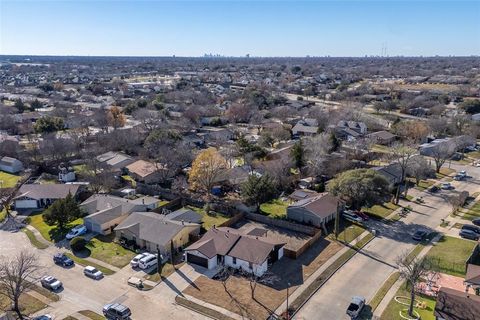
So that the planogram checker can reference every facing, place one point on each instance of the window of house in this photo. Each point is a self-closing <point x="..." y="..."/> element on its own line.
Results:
<point x="234" y="260"/>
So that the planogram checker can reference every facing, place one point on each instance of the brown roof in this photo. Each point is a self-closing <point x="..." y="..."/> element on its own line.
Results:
<point x="47" y="191"/>
<point x="215" y="241"/>
<point x="322" y="205"/>
<point x="457" y="305"/>
<point x="251" y="249"/>
<point x="473" y="274"/>
<point x="143" y="168"/>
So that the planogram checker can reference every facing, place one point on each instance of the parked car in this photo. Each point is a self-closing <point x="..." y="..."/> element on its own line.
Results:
<point x="355" y="307"/>
<point x="419" y="235"/>
<point x="136" y="259"/>
<point x="467" y="234"/>
<point x="446" y="186"/>
<point x="362" y="215"/>
<point x="92" y="272"/>
<point x="459" y="177"/>
<point x="476" y="222"/>
<point x="43" y="317"/>
<point x="463" y="173"/>
<point x="116" y="311"/>
<point x="472" y="228"/>
<point x="63" y="260"/>
<point x="76" y="231"/>
<point x="433" y="189"/>
<point x="470" y="149"/>
<point x="349" y="215"/>
<point x="51" y="283"/>
<point x="148" y="261"/>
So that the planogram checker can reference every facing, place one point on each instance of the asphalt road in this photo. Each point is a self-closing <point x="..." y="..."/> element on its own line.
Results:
<point x="365" y="273"/>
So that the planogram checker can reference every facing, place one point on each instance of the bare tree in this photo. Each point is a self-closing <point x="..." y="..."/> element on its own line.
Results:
<point x="412" y="270"/>
<point x="440" y="154"/>
<point x="317" y="149"/>
<point x="16" y="275"/>
<point x="402" y="154"/>
<point x="419" y="168"/>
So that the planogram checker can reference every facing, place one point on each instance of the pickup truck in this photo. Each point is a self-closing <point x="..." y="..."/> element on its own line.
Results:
<point x="355" y="307"/>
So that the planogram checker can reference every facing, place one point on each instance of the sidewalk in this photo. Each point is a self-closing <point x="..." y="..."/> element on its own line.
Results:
<point x="393" y="290"/>
<point x="214" y="307"/>
<point x="38" y="235"/>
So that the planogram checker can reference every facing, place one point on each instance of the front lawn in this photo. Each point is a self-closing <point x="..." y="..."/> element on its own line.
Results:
<point x="276" y="209"/>
<point x="33" y="240"/>
<point x="444" y="172"/>
<point x="209" y="220"/>
<point x="381" y="211"/>
<point x="28" y="304"/>
<point x="51" y="233"/>
<point x="472" y="213"/>
<point x="92" y="315"/>
<point x="85" y="262"/>
<point x="105" y="249"/>
<point x="424" y="185"/>
<point x="450" y="255"/>
<point x="393" y="308"/>
<point x="8" y="180"/>
<point x="3" y="214"/>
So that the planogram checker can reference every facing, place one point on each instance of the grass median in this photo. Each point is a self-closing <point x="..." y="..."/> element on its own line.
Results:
<point x="85" y="262"/>
<point x="33" y="240"/>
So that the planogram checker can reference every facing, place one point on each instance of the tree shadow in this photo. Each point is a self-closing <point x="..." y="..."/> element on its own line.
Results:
<point x="85" y="253"/>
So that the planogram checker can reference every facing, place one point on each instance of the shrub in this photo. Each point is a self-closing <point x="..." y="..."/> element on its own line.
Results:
<point x="78" y="243"/>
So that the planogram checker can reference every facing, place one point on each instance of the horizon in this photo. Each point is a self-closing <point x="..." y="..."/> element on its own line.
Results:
<point x="236" y="28"/>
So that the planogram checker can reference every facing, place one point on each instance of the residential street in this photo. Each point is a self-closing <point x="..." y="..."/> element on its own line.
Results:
<point x="366" y="271"/>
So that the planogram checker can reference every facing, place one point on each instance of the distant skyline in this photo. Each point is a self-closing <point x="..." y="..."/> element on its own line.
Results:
<point x="237" y="28"/>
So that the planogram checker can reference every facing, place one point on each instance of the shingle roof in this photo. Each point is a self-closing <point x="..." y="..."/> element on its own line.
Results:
<point x="457" y="305"/>
<point x="473" y="274"/>
<point x="186" y="215"/>
<point x="143" y="168"/>
<point x="215" y="241"/>
<point x="47" y="191"/>
<point x="322" y="205"/>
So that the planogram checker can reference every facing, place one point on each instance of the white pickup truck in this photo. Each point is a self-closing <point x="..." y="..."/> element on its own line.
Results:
<point x="355" y="307"/>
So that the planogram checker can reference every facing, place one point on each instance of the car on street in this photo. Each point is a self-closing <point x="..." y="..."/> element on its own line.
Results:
<point x="76" y="231"/>
<point x="467" y="234"/>
<point x="419" y="235"/>
<point x="433" y="189"/>
<point x="63" y="260"/>
<point x="472" y="228"/>
<point x="148" y="261"/>
<point x="92" y="272"/>
<point x="355" y="307"/>
<point x="116" y="311"/>
<point x="136" y="259"/>
<point x="446" y="186"/>
<point x="470" y="149"/>
<point x="43" y="317"/>
<point x="362" y="215"/>
<point x="51" y="283"/>
<point x="476" y="222"/>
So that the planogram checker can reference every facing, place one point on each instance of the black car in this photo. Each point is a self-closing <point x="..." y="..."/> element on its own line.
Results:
<point x="116" y="311"/>
<point x="476" y="222"/>
<point x="433" y="189"/>
<point x="63" y="260"/>
<point x="468" y="234"/>
<point x="471" y="227"/>
<point x="419" y="235"/>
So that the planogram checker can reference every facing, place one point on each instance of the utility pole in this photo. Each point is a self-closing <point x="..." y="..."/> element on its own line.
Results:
<point x="288" y="312"/>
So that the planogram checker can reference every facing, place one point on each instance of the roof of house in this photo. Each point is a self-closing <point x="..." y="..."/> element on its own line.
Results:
<point x="47" y="191"/>
<point x="322" y="205"/>
<point x="152" y="227"/>
<point x="117" y="160"/>
<point x="185" y="214"/>
<point x="393" y="170"/>
<point x="7" y="161"/>
<point x="143" y="168"/>
<point x="243" y="249"/>
<point x="215" y="241"/>
<point x="457" y="305"/>
<point x="384" y="135"/>
<point x="302" y="128"/>
<point x="300" y="194"/>
<point x="473" y="274"/>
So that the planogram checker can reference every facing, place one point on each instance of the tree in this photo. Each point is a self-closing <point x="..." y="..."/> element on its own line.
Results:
<point x="78" y="244"/>
<point x="116" y="118"/>
<point x="35" y="104"/>
<point x="17" y="276"/>
<point x="440" y="154"/>
<point x="419" y="169"/>
<point x="335" y="143"/>
<point x="413" y="270"/>
<point x="19" y="105"/>
<point x="207" y="167"/>
<point x="62" y="211"/>
<point x="48" y="124"/>
<point x="298" y="154"/>
<point x="318" y="147"/>
<point x="257" y="190"/>
<point x="471" y="106"/>
<point x="402" y="154"/>
<point x="359" y="187"/>
<point x="416" y="131"/>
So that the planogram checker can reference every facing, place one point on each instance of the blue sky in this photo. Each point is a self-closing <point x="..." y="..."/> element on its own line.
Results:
<point x="235" y="28"/>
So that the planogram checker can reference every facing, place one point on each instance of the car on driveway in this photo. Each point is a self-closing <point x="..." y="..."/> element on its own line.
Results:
<point x="63" y="260"/>
<point x="349" y="215"/>
<point x="92" y="272"/>
<point x="476" y="222"/>
<point x="148" y="261"/>
<point x="446" y="186"/>
<point x="355" y="307"/>
<point x="362" y="215"/>
<point x="51" y="283"/>
<point x="467" y="234"/>
<point x="76" y="231"/>
<point x="116" y="311"/>
<point x="472" y="228"/>
<point x="419" y="235"/>
<point x="134" y="262"/>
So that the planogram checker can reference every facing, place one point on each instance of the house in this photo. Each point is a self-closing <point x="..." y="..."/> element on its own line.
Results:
<point x="392" y="173"/>
<point x="226" y="246"/>
<point x="186" y="215"/>
<point x="10" y="165"/>
<point x="446" y="145"/>
<point x="382" y="137"/>
<point x="215" y="134"/>
<point x="105" y="212"/>
<point x="145" y="171"/>
<point x="115" y="160"/>
<point x="472" y="278"/>
<point x="235" y="176"/>
<point x="317" y="210"/>
<point x="301" y="194"/>
<point x="350" y="130"/>
<point x="456" y="305"/>
<point x="303" y="130"/>
<point x="155" y="232"/>
<point x="66" y="174"/>
<point x="39" y="196"/>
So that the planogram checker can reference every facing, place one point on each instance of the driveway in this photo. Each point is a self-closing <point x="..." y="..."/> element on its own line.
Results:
<point x="365" y="272"/>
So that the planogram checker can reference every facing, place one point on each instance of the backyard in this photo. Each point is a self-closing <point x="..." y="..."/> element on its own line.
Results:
<point x="276" y="209"/>
<point x="209" y="220"/>
<point x="8" y="180"/>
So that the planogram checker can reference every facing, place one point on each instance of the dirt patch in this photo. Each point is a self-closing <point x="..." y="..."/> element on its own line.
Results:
<point x="267" y="298"/>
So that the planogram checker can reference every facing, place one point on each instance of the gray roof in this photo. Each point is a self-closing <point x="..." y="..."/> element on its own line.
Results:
<point x="47" y="191"/>
<point x="186" y="215"/>
<point x="7" y="161"/>
<point x="116" y="160"/>
<point x="152" y="227"/>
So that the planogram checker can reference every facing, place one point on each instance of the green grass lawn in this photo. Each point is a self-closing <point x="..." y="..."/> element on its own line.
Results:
<point x="209" y="220"/>
<point x="92" y="315"/>
<point x="444" y="171"/>
<point x="381" y="148"/>
<point x="424" y="185"/>
<point x="105" y="249"/>
<point x="167" y="270"/>
<point x="33" y="240"/>
<point x="28" y="304"/>
<point x="381" y="211"/>
<point x="85" y="262"/>
<point x="276" y="209"/>
<point x="51" y="233"/>
<point x="472" y="213"/>
<point x="8" y="180"/>
<point x="450" y="255"/>
<point x="131" y="180"/>
<point x="393" y="308"/>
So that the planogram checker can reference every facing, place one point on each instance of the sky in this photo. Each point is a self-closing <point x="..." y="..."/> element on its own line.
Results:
<point x="236" y="28"/>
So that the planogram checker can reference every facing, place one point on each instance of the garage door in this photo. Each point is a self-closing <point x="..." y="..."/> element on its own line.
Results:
<point x="197" y="260"/>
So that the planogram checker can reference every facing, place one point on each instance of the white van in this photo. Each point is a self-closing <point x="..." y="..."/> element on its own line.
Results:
<point x="148" y="261"/>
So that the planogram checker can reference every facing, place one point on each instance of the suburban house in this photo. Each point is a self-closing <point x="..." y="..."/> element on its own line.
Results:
<point x="382" y="137"/>
<point x="392" y="173"/>
<point x="185" y="214"/>
<point x="105" y="212"/>
<point x="66" y="174"/>
<point x="317" y="210"/>
<point x="234" y="176"/>
<point x="472" y="278"/>
<point x="145" y="171"/>
<point x="446" y="145"/>
<point x="350" y="130"/>
<point x="301" y="194"/>
<point x="251" y="253"/>
<point x="215" y="134"/>
<point x="455" y="305"/>
<point x="10" y="165"/>
<point x="153" y="231"/>
<point x="115" y="160"/>
<point x="39" y="196"/>
<point x="305" y="127"/>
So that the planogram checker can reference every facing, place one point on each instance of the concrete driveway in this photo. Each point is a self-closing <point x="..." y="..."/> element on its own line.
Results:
<point x="365" y="273"/>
